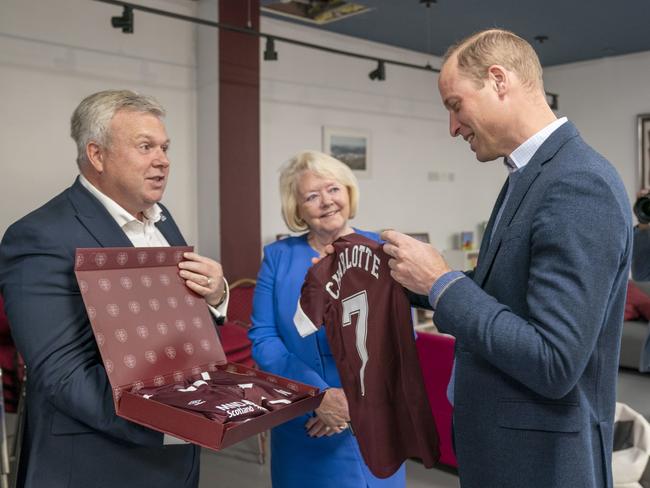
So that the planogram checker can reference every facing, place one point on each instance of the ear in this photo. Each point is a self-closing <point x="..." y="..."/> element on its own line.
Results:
<point x="499" y="79"/>
<point x="95" y="156"/>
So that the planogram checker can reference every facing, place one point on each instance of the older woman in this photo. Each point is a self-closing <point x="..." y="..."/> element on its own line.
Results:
<point x="319" y="194"/>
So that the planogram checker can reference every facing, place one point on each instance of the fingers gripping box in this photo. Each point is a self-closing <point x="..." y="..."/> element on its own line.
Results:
<point x="152" y="331"/>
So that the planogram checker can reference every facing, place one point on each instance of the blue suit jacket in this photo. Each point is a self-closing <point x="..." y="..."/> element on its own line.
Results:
<point x="73" y="437"/>
<point x="538" y="326"/>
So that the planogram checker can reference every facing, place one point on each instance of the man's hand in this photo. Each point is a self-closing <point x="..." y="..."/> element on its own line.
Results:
<point x="415" y="265"/>
<point x="332" y="414"/>
<point x="329" y="249"/>
<point x="203" y="276"/>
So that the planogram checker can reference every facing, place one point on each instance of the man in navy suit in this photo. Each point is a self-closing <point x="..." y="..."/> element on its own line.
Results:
<point x="73" y="437"/>
<point x="538" y="322"/>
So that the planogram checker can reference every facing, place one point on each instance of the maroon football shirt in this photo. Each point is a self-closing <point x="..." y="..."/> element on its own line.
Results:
<point x="223" y="403"/>
<point x="368" y="321"/>
<point x="224" y="396"/>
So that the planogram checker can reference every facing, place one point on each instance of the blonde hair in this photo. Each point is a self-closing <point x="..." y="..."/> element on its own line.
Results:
<point x="321" y="165"/>
<point x="476" y="53"/>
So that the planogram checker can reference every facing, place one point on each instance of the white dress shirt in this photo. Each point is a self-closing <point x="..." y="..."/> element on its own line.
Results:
<point x="525" y="152"/>
<point x="141" y="234"/>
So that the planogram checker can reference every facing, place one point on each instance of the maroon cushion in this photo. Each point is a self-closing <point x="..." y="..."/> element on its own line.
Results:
<point x="637" y="304"/>
<point x="631" y="313"/>
<point x="4" y="323"/>
<point x="7" y="362"/>
<point x="436" y="353"/>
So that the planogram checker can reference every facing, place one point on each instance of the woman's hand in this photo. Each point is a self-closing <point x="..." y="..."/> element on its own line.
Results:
<point x="317" y="428"/>
<point x="203" y="276"/>
<point x="332" y="415"/>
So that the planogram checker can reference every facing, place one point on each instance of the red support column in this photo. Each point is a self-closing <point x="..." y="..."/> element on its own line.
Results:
<point x="239" y="140"/>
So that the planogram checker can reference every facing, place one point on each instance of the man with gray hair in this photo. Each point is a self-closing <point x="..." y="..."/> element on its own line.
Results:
<point x="538" y="322"/>
<point x="73" y="437"/>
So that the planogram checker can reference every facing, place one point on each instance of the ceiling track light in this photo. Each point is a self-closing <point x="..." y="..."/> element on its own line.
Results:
<point x="379" y="73"/>
<point x="270" y="54"/>
<point x="125" y="22"/>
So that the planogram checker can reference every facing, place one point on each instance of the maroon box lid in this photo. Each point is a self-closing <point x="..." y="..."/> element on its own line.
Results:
<point x="150" y="328"/>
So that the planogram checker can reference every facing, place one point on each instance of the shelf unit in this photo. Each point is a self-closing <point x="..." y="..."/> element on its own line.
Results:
<point x="460" y="259"/>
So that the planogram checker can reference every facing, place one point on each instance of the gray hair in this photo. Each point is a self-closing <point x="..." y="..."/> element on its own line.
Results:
<point x="91" y="120"/>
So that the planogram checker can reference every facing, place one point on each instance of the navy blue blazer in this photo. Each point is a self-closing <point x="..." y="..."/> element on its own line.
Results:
<point x="538" y="326"/>
<point x="73" y="437"/>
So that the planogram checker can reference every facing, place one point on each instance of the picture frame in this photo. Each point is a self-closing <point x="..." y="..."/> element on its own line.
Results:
<point x="350" y="146"/>
<point x="420" y="236"/>
<point x="643" y="143"/>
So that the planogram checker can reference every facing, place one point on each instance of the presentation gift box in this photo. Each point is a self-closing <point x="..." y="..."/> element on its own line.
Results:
<point x="153" y="331"/>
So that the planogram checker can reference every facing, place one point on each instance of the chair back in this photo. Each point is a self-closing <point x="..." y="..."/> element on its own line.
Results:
<point x="436" y="354"/>
<point x="233" y="334"/>
<point x="240" y="304"/>
<point x="630" y="459"/>
<point x="11" y="376"/>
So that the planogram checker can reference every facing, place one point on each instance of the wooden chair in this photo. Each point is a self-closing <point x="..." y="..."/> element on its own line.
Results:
<point x="234" y="332"/>
<point x="233" y="335"/>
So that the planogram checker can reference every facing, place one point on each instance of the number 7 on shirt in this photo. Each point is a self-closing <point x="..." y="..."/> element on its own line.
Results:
<point x="358" y="304"/>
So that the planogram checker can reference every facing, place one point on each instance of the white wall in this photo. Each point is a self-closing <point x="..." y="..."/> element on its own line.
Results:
<point x="208" y="242"/>
<point x="306" y="89"/>
<point x="55" y="52"/>
<point x="603" y="98"/>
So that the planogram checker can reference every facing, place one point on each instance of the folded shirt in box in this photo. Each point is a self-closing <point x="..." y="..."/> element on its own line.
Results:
<point x="224" y="397"/>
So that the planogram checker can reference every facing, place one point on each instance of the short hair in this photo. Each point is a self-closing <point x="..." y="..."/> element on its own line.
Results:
<point x="476" y="53"/>
<point x="322" y="165"/>
<point x="91" y="120"/>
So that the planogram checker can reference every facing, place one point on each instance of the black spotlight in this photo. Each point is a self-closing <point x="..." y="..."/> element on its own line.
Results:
<point x="379" y="73"/>
<point x="270" y="54"/>
<point x="125" y="22"/>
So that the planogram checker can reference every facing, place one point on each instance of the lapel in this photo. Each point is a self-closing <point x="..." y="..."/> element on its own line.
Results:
<point x="101" y="225"/>
<point x="531" y="171"/>
<point x="168" y="228"/>
<point x="96" y="219"/>
<point x="489" y="228"/>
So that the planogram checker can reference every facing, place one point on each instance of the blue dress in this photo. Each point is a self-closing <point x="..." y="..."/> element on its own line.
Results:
<point x="298" y="460"/>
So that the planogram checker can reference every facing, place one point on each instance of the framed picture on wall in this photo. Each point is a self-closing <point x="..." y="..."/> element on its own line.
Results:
<point x="643" y="138"/>
<point x="351" y="146"/>
<point x="420" y="236"/>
